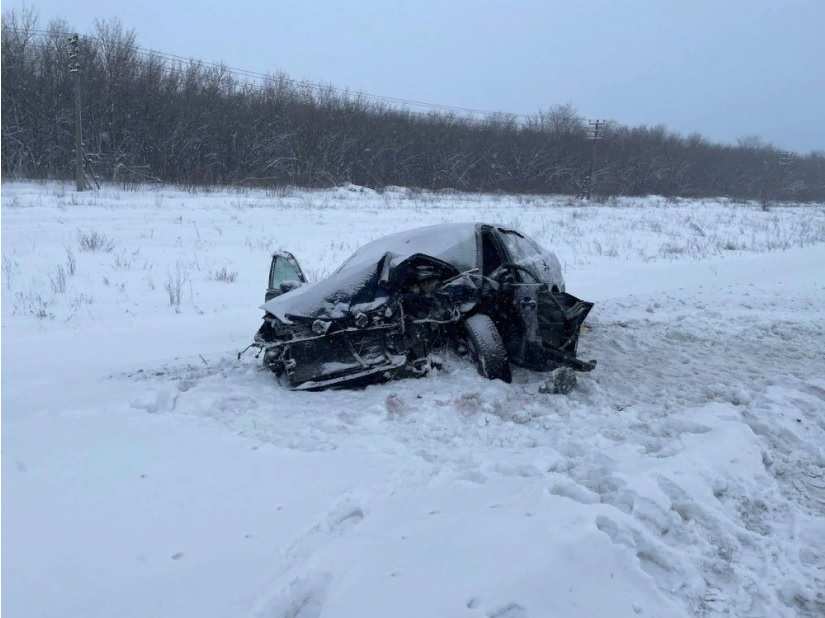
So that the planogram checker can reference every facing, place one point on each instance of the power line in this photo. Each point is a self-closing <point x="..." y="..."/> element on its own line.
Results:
<point x="248" y="74"/>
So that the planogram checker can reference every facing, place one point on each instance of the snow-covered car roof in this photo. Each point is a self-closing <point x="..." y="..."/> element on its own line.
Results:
<point x="454" y="243"/>
<point x="356" y="280"/>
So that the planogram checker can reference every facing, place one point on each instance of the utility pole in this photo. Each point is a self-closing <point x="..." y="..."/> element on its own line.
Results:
<point x="594" y="134"/>
<point x="74" y="68"/>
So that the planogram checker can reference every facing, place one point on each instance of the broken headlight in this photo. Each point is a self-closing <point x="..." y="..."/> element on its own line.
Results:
<point x="320" y="327"/>
<point x="361" y="320"/>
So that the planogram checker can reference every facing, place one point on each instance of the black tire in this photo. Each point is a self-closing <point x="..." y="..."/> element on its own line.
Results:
<point x="486" y="348"/>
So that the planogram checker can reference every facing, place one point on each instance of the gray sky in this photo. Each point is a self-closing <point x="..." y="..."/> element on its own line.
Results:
<point x="723" y="68"/>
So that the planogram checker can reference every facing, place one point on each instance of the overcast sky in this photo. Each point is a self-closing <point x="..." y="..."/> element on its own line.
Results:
<point x="723" y="68"/>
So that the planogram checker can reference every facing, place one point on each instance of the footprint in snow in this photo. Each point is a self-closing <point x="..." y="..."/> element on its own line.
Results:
<point x="344" y="517"/>
<point x="338" y="521"/>
<point x="613" y="532"/>
<point x="304" y="597"/>
<point x="511" y="610"/>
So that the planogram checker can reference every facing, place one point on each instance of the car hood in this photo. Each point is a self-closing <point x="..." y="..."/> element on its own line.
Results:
<point x="363" y="286"/>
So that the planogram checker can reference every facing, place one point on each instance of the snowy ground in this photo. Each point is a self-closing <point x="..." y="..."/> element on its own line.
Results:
<point x="147" y="472"/>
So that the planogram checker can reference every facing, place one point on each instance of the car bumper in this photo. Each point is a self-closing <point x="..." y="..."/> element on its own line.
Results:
<point x="339" y="359"/>
<point x="354" y="376"/>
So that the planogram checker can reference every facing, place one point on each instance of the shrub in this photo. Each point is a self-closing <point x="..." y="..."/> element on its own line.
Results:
<point x="71" y="263"/>
<point x="95" y="241"/>
<point x="225" y="275"/>
<point x="8" y="268"/>
<point x="58" y="281"/>
<point x="174" y="286"/>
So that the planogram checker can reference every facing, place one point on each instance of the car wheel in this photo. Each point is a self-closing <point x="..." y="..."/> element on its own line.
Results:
<point x="486" y="348"/>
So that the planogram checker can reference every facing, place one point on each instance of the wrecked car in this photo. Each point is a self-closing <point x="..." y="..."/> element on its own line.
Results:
<point x="392" y="308"/>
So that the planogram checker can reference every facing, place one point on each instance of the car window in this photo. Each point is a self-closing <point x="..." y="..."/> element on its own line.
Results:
<point x="283" y="270"/>
<point x="529" y="254"/>
<point x="521" y="251"/>
<point x="548" y="266"/>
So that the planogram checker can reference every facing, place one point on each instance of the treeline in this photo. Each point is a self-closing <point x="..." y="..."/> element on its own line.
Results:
<point x="148" y="118"/>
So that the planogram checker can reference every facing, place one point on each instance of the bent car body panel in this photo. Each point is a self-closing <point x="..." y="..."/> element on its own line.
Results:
<point x="330" y="297"/>
<point x="397" y="299"/>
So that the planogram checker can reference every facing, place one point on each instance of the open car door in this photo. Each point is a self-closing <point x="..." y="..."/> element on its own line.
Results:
<point x="550" y="322"/>
<point x="548" y="319"/>
<point x="285" y="274"/>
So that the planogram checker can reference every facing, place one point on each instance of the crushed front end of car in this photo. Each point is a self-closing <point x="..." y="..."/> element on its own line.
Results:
<point x="371" y="322"/>
<point x="317" y="354"/>
<point x="400" y="301"/>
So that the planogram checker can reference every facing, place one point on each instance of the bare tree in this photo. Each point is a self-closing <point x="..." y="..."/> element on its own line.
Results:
<point x="147" y="118"/>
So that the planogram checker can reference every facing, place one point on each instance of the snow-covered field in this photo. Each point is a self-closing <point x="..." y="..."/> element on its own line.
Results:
<point x="147" y="472"/>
